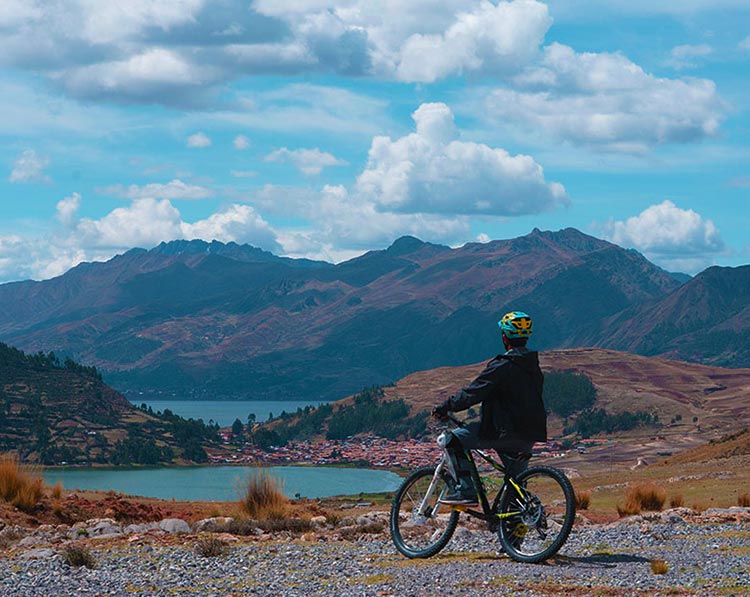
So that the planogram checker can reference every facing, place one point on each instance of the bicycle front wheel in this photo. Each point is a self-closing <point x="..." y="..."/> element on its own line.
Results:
<point x="535" y="522"/>
<point x="420" y="525"/>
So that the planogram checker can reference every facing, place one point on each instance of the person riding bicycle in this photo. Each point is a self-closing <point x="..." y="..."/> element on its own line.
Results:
<point x="513" y="415"/>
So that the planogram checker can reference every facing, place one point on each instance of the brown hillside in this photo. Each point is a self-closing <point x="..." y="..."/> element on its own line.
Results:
<point x="719" y="397"/>
<point x="736" y="444"/>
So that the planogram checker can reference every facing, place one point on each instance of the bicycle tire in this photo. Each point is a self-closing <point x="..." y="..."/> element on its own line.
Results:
<point x="415" y="535"/>
<point x="546" y="516"/>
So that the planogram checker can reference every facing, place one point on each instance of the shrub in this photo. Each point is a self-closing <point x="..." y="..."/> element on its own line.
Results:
<point x="583" y="499"/>
<point x="263" y="497"/>
<point x="628" y="509"/>
<point x="647" y="496"/>
<point x="676" y="501"/>
<point x="76" y="554"/>
<point x="211" y="547"/>
<point x="743" y="500"/>
<point x="21" y="486"/>
<point x="56" y="491"/>
<point x="659" y="566"/>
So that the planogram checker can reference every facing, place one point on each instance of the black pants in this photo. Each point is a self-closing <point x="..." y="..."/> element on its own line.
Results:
<point x="506" y="448"/>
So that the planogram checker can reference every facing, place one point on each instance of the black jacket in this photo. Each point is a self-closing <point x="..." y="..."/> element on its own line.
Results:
<point x="510" y="390"/>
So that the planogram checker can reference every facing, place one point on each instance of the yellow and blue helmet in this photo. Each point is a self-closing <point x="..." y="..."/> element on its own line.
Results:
<point x="515" y="324"/>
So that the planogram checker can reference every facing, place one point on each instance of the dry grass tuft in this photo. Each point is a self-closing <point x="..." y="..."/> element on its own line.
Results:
<point x="21" y="486"/>
<point x="76" y="554"/>
<point x="56" y="491"/>
<point x="211" y="547"/>
<point x="676" y="501"/>
<point x="699" y="507"/>
<point x="659" y="566"/>
<point x="583" y="499"/>
<point x="263" y="497"/>
<point x="743" y="500"/>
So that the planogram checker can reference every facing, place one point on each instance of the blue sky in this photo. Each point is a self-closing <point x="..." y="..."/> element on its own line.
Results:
<point x="323" y="128"/>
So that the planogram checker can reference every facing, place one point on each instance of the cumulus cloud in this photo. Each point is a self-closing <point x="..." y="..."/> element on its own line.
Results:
<point x="492" y="38"/>
<point x="350" y="221"/>
<point x="238" y="223"/>
<point x="241" y="142"/>
<point x="432" y="171"/>
<point x="143" y="223"/>
<point x="67" y="209"/>
<point x="182" y="51"/>
<point x="744" y="44"/>
<point x="198" y="140"/>
<point x="688" y="56"/>
<point x="175" y="189"/>
<point x="29" y="167"/>
<point x="670" y="236"/>
<point x="307" y="161"/>
<point x="607" y="101"/>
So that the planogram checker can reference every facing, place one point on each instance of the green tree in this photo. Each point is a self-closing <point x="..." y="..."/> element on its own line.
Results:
<point x="567" y="393"/>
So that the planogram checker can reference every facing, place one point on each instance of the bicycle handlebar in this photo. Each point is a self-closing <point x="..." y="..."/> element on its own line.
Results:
<point x="454" y="420"/>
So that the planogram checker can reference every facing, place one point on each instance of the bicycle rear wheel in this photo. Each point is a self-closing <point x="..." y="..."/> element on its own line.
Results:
<point x="535" y="525"/>
<point x="420" y="525"/>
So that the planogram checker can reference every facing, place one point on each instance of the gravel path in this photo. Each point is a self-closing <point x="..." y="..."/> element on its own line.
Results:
<point x="709" y="559"/>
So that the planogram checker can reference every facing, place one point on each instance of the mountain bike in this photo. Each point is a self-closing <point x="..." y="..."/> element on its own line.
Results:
<point x="532" y="512"/>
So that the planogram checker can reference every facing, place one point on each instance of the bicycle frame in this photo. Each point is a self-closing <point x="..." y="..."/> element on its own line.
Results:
<point x="487" y="509"/>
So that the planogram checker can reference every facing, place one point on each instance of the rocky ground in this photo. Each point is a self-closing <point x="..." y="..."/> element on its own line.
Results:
<point x="705" y="554"/>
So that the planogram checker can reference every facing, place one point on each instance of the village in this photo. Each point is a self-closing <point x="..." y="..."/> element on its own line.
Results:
<point x="365" y="450"/>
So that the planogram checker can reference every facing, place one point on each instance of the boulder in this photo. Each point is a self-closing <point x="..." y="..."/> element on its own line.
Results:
<point x="99" y="527"/>
<point x="318" y="522"/>
<point x="174" y="526"/>
<point x="137" y="529"/>
<point x="217" y="524"/>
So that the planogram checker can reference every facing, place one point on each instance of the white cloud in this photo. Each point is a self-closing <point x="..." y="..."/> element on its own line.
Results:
<point x="67" y="209"/>
<point x="107" y="22"/>
<point x="605" y="100"/>
<point x="352" y="222"/>
<point x="241" y="142"/>
<point x="483" y="238"/>
<point x="307" y="161"/>
<point x="154" y="75"/>
<point x="143" y="223"/>
<point x="494" y="38"/>
<point x="431" y="171"/>
<point x="198" y="140"/>
<point x="687" y="56"/>
<point x="175" y="189"/>
<point x="238" y="223"/>
<point x="672" y="237"/>
<point x="29" y="167"/>
<point x="744" y="44"/>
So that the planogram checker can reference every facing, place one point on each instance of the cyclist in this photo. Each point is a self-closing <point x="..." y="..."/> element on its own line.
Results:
<point x="513" y="416"/>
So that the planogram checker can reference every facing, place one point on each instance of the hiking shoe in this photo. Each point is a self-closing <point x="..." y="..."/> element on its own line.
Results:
<point x="458" y="498"/>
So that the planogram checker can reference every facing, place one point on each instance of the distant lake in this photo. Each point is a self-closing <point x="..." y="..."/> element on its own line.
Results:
<point x="221" y="483"/>
<point x="224" y="412"/>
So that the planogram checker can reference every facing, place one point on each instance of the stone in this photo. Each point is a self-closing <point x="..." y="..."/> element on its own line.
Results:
<point x="213" y="525"/>
<point x="671" y="517"/>
<point x="174" y="526"/>
<point x="103" y="526"/>
<point x="318" y="522"/>
<point x="142" y="528"/>
<point x="41" y="553"/>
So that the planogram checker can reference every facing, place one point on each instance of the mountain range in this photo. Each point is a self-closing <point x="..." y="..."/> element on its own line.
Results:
<point x="214" y="320"/>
